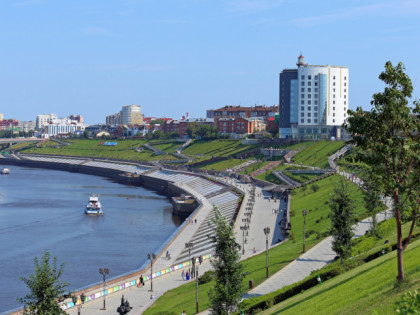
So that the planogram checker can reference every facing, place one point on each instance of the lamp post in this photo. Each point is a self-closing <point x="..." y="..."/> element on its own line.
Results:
<point x="200" y="260"/>
<point x="151" y="257"/>
<point x="189" y="245"/>
<point x="104" y="272"/>
<point x="304" y="213"/>
<point x="266" y="232"/>
<point x="243" y="228"/>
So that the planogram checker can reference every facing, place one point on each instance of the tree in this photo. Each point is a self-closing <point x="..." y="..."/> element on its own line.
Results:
<point x="342" y="219"/>
<point x="192" y="129"/>
<point x="372" y="198"/>
<point x="227" y="292"/>
<point x="46" y="289"/>
<point x="389" y="138"/>
<point x="85" y="134"/>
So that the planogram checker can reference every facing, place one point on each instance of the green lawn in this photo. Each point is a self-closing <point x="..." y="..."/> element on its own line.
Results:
<point x="255" y="167"/>
<point x="174" y="301"/>
<point x="301" y="178"/>
<point x="92" y="148"/>
<point x="316" y="153"/>
<point x="368" y="289"/>
<point x="169" y="147"/>
<point x="269" y="177"/>
<point x="213" y="148"/>
<point x="222" y="165"/>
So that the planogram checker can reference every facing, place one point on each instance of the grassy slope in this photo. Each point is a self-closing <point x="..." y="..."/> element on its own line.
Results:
<point x="174" y="301"/>
<point x="91" y="148"/>
<point x="217" y="148"/>
<point x="317" y="153"/>
<point x="362" y="290"/>
<point x="221" y="165"/>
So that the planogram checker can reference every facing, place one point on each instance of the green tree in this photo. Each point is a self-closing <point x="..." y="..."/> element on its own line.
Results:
<point x="342" y="219"/>
<point x="389" y="138"/>
<point x="46" y="289"/>
<point x="85" y="134"/>
<point x="226" y="293"/>
<point x="372" y="198"/>
<point x="192" y="129"/>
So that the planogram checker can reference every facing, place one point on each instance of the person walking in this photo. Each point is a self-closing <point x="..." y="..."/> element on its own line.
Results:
<point x="183" y="275"/>
<point x="142" y="280"/>
<point x="187" y="276"/>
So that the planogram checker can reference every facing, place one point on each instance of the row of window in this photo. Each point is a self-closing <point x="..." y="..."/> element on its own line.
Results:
<point x="309" y="121"/>
<point x="302" y="77"/>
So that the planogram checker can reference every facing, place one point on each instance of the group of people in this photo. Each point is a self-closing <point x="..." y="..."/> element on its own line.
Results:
<point x="193" y="221"/>
<point x="141" y="282"/>
<point x="275" y="211"/>
<point x="185" y="275"/>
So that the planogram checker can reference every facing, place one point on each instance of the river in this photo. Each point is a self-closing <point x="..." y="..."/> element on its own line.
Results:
<point x="42" y="210"/>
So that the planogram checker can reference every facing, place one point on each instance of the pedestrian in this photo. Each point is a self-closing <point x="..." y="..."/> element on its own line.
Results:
<point x="142" y="280"/>
<point x="151" y="296"/>
<point x="195" y="221"/>
<point x="254" y="251"/>
<point x="187" y="276"/>
<point x="183" y="275"/>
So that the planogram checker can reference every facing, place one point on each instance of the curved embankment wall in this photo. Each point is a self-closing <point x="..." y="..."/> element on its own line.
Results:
<point x="124" y="281"/>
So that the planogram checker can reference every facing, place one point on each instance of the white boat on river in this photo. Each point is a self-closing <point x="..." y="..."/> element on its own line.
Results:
<point x="94" y="206"/>
<point x="5" y="171"/>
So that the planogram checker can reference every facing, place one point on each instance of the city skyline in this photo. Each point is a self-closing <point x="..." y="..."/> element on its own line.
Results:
<point x="188" y="56"/>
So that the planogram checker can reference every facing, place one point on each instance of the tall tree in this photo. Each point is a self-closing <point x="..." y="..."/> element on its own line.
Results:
<point x="226" y="293"/>
<point x="46" y="289"/>
<point x="389" y="136"/>
<point x="342" y="220"/>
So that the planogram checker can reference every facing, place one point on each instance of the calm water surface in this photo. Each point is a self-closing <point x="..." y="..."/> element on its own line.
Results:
<point x="42" y="210"/>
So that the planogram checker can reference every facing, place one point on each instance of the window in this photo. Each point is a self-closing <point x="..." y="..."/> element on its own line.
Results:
<point x="345" y="84"/>
<point x="316" y="95"/>
<point x="309" y="108"/>
<point x="315" y="108"/>
<point x="309" y="77"/>
<point x="316" y="83"/>
<point x="333" y="102"/>
<point x="345" y="108"/>
<point x="302" y="77"/>
<point x="333" y="89"/>
<point x="302" y="89"/>
<point x="333" y="114"/>
<point x="309" y="89"/>
<point x="309" y="114"/>
<point x="309" y="83"/>
<point x="302" y="83"/>
<point x="333" y="83"/>
<point x="302" y="95"/>
<point x="309" y="102"/>
<point x="316" y="90"/>
<point x="333" y="108"/>
<point x="345" y="90"/>
<point x="315" y="114"/>
<point x="309" y="121"/>
<point x="316" y="121"/>
<point x="333" y="77"/>
<point x="345" y="96"/>
<point x="345" y="78"/>
<point x="316" y="102"/>
<point x="302" y="102"/>
<point x="333" y="95"/>
<point x="302" y="121"/>
<point x="333" y="120"/>
<point x="302" y="108"/>
<point x="344" y="114"/>
<point x="302" y="114"/>
<point x="345" y="103"/>
<point x="316" y="77"/>
<point x="309" y="95"/>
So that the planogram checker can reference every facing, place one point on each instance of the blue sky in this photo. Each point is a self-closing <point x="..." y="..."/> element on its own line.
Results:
<point x="90" y="57"/>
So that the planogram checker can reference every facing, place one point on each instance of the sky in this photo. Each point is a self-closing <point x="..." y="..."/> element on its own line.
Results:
<point x="90" y="57"/>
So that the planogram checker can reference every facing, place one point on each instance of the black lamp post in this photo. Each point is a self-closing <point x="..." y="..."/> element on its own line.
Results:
<point x="266" y="232"/>
<point x="189" y="245"/>
<point x="151" y="257"/>
<point x="194" y="261"/>
<point x="104" y="272"/>
<point x="304" y="213"/>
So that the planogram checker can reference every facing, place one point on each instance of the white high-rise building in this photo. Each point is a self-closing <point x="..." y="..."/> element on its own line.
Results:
<point x="42" y="120"/>
<point x="322" y="100"/>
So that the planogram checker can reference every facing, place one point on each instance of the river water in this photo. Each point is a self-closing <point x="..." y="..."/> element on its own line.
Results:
<point x="42" y="210"/>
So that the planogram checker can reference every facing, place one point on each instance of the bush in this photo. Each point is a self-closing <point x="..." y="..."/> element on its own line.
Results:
<point x="314" y="187"/>
<point x="206" y="277"/>
<point x="409" y="303"/>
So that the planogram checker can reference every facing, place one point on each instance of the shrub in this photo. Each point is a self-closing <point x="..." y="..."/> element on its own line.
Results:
<point x="206" y="277"/>
<point x="409" y="303"/>
<point x="314" y="187"/>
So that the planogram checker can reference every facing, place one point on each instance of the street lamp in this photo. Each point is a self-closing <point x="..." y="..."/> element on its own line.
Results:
<point x="266" y="232"/>
<point x="200" y="260"/>
<point x="189" y="245"/>
<point x="82" y="300"/>
<point x="151" y="257"/>
<point x="243" y="228"/>
<point x="104" y="272"/>
<point x="304" y="213"/>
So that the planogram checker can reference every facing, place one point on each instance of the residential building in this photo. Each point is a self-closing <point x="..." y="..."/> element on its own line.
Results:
<point x="42" y="120"/>
<point x="170" y="126"/>
<point x="114" y="119"/>
<point x="27" y="126"/>
<point x="313" y="100"/>
<point x="239" y="127"/>
<point x="232" y="111"/>
<point x="184" y="123"/>
<point x="62" y="127"/>
<point x="131" y="114"/>
<point x="8" y="123"/>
